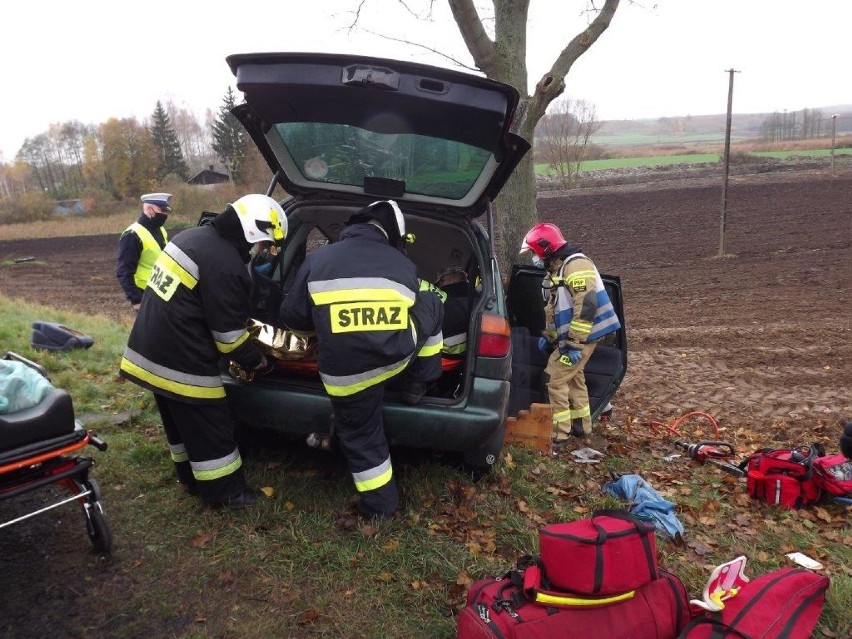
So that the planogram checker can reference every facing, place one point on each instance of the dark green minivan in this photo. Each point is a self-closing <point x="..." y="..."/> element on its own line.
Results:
<point x="341" y="131"/>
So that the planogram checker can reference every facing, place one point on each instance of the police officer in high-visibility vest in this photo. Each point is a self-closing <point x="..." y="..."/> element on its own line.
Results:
<point x="140" y="244"/>
<point x="193" y="316"/>
<point x="362" y="297"/>
<point x="577" y="315"/>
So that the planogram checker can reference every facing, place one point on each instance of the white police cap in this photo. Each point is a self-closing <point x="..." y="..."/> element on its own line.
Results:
<point x="158" y="199"/>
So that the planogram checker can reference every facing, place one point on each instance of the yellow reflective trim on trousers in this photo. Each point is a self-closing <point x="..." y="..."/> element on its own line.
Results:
<point x="458" y="349"/>
<point x="556" y="600"/>
<point x="351" y="389"/>
<point x="180" y="457"/>
<point x="224" y="471"/>
<point x="361" y="295"/>
<point x="585" y="411"/>
<point x="376" y="482"/>
<point x="430" y="349"/>
<point x="581" y="327"/>
<point x="561" y="416"/>
<point x="227" y="348"/>
<point x="187" y="390"/>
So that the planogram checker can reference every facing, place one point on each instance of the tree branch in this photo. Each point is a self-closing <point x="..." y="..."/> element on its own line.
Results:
<point x="423" y="46"/>
<point x="480" y="46"/>
<point x="552" y="84"/>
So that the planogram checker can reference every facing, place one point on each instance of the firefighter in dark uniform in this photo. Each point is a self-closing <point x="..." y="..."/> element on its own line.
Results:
<point x="140" y="244"/>
<point x="457" y="295"/>
<point x="362" y="297"/>
<point x="193" y="314"/>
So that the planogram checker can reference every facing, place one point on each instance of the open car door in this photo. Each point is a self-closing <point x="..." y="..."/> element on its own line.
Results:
<point x="604" y="371"/>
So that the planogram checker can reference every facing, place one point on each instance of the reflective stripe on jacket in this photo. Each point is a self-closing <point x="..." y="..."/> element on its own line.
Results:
<point x="150" y="250"/>
<point x="582" y="310"/>
<point x="195" y="311"/>
<point x="357" y="294"/>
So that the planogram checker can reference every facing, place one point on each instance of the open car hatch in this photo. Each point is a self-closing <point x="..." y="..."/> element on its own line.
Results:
<point x="359" y="126"/>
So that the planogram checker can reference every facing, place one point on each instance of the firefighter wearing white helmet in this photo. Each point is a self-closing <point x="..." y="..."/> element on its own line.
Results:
<point x="578" y="314"/>
<point x="193" y="315"/>
<point x="361" y="296"/>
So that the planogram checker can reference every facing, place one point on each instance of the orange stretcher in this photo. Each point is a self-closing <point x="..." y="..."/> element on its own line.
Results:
<point x="38" y="449"/>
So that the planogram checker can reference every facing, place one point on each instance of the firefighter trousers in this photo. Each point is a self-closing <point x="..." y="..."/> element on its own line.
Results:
<point x="360" y="431"/>
<point x="569" y="396"/>
<point x="202" y="446"/>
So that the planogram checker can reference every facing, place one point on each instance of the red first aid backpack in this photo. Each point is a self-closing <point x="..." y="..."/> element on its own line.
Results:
<point x="833" y="473"/>
<point x="610" y="552"/>
<point x="519" y="606"/>
<point x="783" y="477"/>
<point x="783" y="604"/>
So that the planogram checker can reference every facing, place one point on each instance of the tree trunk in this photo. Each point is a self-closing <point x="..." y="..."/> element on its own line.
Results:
<point x="504" y="59"/>
<point x="515" y="212"/>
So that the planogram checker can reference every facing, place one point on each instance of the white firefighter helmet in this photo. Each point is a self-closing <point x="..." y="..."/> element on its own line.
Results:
<point x="262" y="218"/>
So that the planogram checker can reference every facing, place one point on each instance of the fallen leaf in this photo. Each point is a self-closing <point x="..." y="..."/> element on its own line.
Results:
<point x="308" y="616"/>
<point x="580" y="509"/>
<point x="201" y="539"/>
<point x="226" y="577"/>
<point x="742" y="520"/>
<point x="822" y="513"/>
<point x="464" y="578"/>
<point x="200" y="618"/>
<point x="385" y="576"/>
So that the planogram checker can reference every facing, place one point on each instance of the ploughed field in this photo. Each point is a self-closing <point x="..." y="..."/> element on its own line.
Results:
<point x="760" y="338"/>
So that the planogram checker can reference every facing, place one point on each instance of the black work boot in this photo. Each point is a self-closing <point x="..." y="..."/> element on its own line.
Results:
<point x="243" y="498"/>
<point x="186" y="478"/>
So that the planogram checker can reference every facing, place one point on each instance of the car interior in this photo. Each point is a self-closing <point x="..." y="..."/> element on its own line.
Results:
<point x="437" y="244"/>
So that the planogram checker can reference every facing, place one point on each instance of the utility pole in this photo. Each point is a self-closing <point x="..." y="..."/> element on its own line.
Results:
<point x="727" y="162"/>
<point x="833" y="132"/>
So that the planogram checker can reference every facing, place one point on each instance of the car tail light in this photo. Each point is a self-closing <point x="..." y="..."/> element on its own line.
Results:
<point x="494" y="336"/>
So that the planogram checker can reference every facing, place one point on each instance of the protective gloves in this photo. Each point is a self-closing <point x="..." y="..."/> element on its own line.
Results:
<point x="266" y="366"/>
<point x="544" y="345"/>
<point x="571" y="357"/>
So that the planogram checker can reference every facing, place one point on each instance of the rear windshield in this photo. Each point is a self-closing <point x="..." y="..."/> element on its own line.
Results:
<point x="345" y="154"/>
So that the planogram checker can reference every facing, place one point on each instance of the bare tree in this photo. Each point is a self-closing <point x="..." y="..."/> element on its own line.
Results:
<point x="563" y="136"/>
<point x="503" y="58"/>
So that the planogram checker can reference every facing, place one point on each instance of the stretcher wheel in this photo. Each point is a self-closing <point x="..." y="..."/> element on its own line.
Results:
<point x="98" y="529"/>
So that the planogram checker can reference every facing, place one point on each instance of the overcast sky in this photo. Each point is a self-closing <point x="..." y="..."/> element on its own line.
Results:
<point x="98" y="59"/>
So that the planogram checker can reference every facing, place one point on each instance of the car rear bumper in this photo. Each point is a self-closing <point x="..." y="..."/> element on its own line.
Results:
<point x="431" y="425"/>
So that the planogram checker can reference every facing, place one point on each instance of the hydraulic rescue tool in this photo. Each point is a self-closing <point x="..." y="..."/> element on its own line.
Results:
<point x="713" y="452"/>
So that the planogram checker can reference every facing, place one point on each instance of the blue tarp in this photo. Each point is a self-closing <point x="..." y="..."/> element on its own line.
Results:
<point x="647" y="503"/>
<point x="20" y="386"/>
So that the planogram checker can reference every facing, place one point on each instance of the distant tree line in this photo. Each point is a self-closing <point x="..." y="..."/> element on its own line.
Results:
<point x="124" y="157"/>
<point x="795" y="125"/>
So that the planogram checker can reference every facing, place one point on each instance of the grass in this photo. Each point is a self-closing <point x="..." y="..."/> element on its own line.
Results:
<point x="193" y="572"/>
<point x="689" y="158"/>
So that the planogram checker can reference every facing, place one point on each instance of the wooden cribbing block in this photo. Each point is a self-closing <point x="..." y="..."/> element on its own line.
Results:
<point x="531" y="428"/>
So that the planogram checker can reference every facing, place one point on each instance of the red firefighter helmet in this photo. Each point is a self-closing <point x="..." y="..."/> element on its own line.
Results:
<point x="543" y="239"/>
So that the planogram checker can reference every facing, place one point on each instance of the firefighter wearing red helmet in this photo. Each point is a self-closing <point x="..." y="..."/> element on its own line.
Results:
<point x="578" y="314"/>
